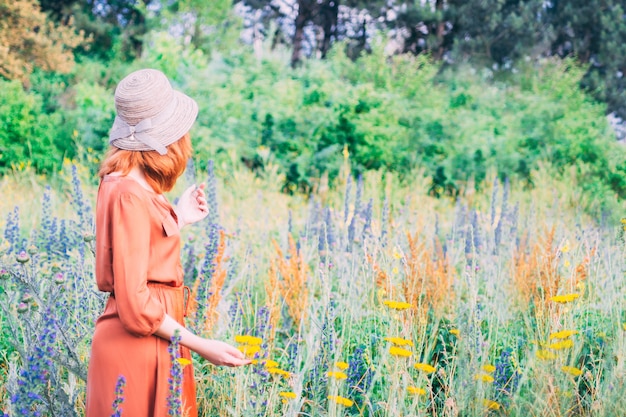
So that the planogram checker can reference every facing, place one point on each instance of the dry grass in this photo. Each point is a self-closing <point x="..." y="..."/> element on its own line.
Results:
<point x="293" y="285"/>
<point x="428" y="277"/>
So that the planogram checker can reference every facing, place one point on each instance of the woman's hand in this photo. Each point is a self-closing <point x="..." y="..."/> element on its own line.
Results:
<point x="220" y="353"/>
<point x="216" y="352"/>
<point x="192" y="206"/>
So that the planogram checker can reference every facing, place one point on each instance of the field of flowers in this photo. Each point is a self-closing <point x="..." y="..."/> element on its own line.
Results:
<point x="372" y="299"/>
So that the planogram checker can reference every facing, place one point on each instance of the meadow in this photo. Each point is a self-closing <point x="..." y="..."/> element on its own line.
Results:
<point x="369" y="298"/>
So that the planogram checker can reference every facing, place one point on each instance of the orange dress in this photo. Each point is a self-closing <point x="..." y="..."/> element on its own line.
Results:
<point x="138" y="263"/>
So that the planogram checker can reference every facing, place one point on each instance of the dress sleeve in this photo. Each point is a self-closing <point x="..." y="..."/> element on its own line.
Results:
<point x="139" y="312"/>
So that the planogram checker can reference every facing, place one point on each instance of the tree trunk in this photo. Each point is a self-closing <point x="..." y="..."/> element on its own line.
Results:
<point x="330" y="13"/>
<point x="440" y="29"/>
<point x="298" y="36"/>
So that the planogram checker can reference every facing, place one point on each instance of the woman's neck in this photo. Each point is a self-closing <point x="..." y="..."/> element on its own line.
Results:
<point x="138" y="175"/>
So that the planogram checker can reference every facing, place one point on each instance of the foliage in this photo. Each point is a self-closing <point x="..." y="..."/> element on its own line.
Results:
<point x="30" y="41"/>
<point x="27" y="135"/>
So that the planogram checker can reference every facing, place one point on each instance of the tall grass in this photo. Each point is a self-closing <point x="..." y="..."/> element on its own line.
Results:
<point x="370" y="299"/>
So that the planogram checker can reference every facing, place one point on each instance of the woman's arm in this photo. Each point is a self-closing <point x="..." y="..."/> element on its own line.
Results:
<point x="215" y="351"/>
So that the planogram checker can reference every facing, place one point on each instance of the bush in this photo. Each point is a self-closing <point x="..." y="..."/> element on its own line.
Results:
<point x="27" y="136"/>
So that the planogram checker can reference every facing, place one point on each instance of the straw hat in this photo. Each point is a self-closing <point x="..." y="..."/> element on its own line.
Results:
<point x="150" y="113"/>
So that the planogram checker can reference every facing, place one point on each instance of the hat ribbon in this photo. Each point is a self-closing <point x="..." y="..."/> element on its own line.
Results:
<point x="122" y="130"/>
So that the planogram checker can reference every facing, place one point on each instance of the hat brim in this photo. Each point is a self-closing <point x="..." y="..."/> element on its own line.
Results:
<point x="178" y="123"/>
<point x="167" y="130"/>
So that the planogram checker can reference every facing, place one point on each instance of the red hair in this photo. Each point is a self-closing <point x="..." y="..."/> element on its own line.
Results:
<point x="161" y="171"/>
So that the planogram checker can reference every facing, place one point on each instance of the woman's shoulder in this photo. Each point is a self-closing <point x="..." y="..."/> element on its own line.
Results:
<point x="118" y="186"/>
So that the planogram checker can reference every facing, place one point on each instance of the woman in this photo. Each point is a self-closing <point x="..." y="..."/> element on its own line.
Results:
<point x="138" y="253"/>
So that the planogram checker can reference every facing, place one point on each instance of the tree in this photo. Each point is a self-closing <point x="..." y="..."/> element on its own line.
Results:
<point x="595" y="33"/>
<point x="499" y="31"/>
<point x="107" y="22"/>
<point x="29" y="40"/>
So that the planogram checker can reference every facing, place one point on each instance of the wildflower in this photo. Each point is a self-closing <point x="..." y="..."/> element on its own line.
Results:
<point x="4" y="274"/>
<point x="249" y="350"/>
<point x="88" y="237"/>
<point x="489" y="368"/>
<point x="565" y="247"/>
<point x="416" y="390"/>
<point x="483" y="378"/>
<point x="5" y="246"/>
<point x="395" y="270"/>
<point x="396" y="351"/>
<point x="119" y="396"/>
<point x="22" y="257"/>
<point x="55" y="267"/>
<point x="572" y="370"/>
<point x="624" y="326"/>
<point x="563" y="344"/>
<point x="27" y="298"/>
<point x="337" y="375"/>
<point x="59" y="278"/>
<point x="565" y="298"/>
<point x="183" y="361"/>
<point x="32" y="250"/>
<point x="491" y="405"/>
<point x="278" y="371"/>
<point x="288" y="394"/>
<point x="455" y="332"/>
<point x="270" y="363"/>
<point x="397" y="254"/>
<point x="248" y="340"/>
<point x="397" y="305"/>
<point x="342" y="365"/>
<point x="175" y="380"/>
<point x="22" y="307"/>
<point x="341" y="400"/>
<point x="563" y="334"/>
<point x="425" y="368"/>
<point x="398" y="341"/>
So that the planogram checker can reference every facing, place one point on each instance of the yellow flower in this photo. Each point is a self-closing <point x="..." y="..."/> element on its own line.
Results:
<point x="398" y="341"/>
<point x="416" y="390"/>
<point x="397" y="254"/>
<point x="395" y="270"/>
<point x="572" y="370"/>
<point x="346" y="152"/>
<point x="565" y="298"/>
<point x="183" y="361"/>
<point x="342" y="365"/>
<point x="396" y="351"/>
<point x="341" y="400"/>
<point x="484" y="378"/>
<point x="424" y="367"/>
<point x="566" y="264"/>
<point x="397" y="305"/>
<point x="336" y="375"/>
<point x="248" y="340"/>
<point x="278" y="371"/>
<point x="491" y="405"/>
<point x="288" y="394"/>
<point x="565" y="247"/>
<point x="563" y="344"/>
<point x="455" y="332"/>
<point x="563" y="334"/>
<point x="270" y="363"/>
<point x="489" y="368"/>
<point x="545" y="354"/>
<point x="624" y="326"/>
<point x="249" y="350"/>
